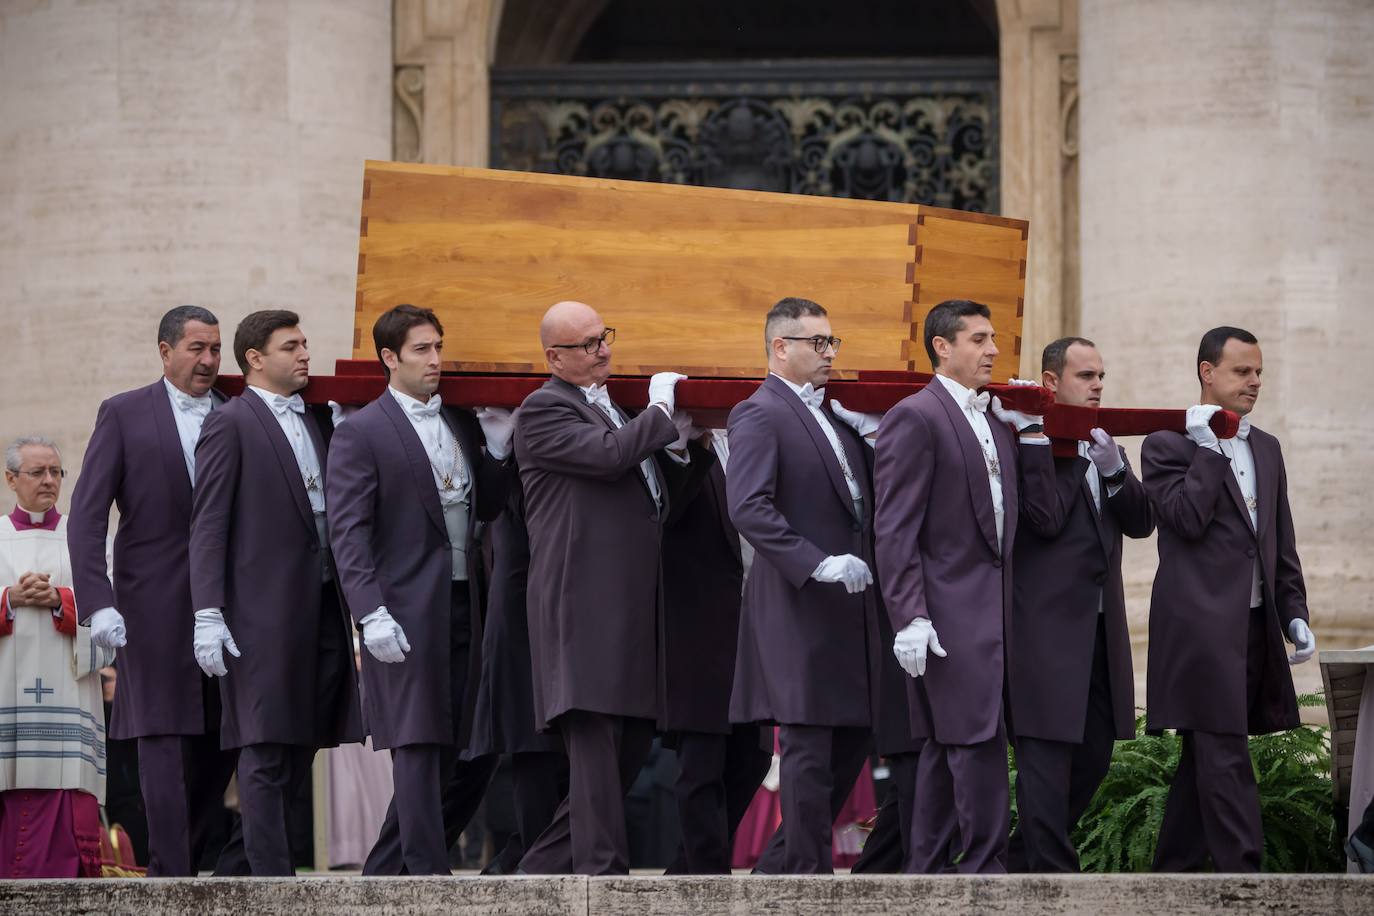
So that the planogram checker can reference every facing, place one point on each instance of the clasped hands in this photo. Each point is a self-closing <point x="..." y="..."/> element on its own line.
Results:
<point x="34" y="590"/>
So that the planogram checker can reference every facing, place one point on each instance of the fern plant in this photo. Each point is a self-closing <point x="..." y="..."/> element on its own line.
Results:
<point x="1292" y="768"/>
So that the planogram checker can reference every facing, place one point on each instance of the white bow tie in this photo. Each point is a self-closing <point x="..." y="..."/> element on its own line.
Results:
<point x="281" y="404"/>
<point x="185" y="402"/>
<point x="1244" y="431"/>
<point x="429" y="409"/>
<point x="598" y="396"/>
<point x="978" y="402"/>
<point x="812" y="397"/>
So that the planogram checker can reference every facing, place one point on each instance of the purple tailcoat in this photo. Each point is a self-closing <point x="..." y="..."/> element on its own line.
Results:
<point x="593" y="598"/>
<point x="503" y="722"/>
<point x="938" y="555"/>
<point x="134" y="460"/>
<point x="702" y="575"/>
<point x="807" y="649"/>
<point x="1200" y="606"/>
<point x="255" y="553"/>
<point x="386" y="528"/>
<point x="1061" y="573"/>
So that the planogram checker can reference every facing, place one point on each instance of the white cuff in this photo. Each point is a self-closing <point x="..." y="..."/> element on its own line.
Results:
<point x="1113" y="489"/>
<point x="375" y="615"/>
<point x="1042" y="440"/>
<point x="682" y="458"/>
<point x="667" y="411"/>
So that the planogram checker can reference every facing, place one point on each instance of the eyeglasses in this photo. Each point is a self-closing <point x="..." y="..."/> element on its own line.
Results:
<point x="40" y="473"/>
<point x="820" y="343"/>
<point x="591" y="345"/>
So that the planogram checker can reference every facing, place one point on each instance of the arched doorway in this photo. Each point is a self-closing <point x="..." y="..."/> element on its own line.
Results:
<point x="881" y="100"/>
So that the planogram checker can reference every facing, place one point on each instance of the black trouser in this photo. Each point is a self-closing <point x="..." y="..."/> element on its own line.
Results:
<point x="962" y="802"/>
<point x="889" y="843"/>
<point x="434" y="792"/>
<point x="270" y="776"/>
<point x="1056" y="780"/>
<point x="1214" y="808"/>
<point x="817" y="772"/>
<point x="587" y="835"/>
<point x="183" y="778"/>
<point x="539" y="781"/>
<point x="718" y="776"/>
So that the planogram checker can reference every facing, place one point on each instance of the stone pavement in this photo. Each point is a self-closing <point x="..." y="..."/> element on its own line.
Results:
<point x="1023" y="895"/>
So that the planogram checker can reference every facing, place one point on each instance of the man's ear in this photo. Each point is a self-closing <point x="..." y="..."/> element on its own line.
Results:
<point x="1204" y="371"/>
<point x="1049" y="380"/>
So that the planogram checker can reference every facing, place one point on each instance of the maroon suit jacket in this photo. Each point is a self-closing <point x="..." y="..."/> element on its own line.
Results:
<point x="702" y="576"/>
<point x="134" y="461"/>
<point x="807" y="649"/>
<point x="255" y="552"/>
<point x="1200" y="606"/>
<point x="938" y="554"/>
<point x="1060" y="574"/>
<point x="593" y="597"/>
<point x="386" y="528"/>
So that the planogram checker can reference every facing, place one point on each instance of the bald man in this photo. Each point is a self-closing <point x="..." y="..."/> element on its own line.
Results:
<point x="594" y="505"/>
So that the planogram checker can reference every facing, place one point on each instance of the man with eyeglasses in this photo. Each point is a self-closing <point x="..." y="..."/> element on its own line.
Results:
<point x="800" y="493"/>
<point x="595" y="504"/>
<point x="52" y="736"/>
<point x="141" y="457"/>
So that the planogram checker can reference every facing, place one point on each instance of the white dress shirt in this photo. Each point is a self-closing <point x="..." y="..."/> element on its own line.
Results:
<point x="974" y="407"/>
<point x="597" y="396"/>
<point x="450" y="470"/>
<point x="813" y="398"/>
<point x="290" y="415"/>
<point x="1243" y="467"/>
<point x="189" y="414"/>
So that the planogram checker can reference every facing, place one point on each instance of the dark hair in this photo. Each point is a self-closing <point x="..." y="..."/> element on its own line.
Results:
<point x="1214" y="341"/>
<point x="1057" y="353"/>
<point x="172" y="327"/>
<point x="791" y="308"/>
<point x="256" y="329"/>
<point x="389" y="333"/>
<point x="947" y="320"/>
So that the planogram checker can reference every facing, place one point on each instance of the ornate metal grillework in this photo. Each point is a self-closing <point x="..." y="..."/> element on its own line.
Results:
<point x="920" y="132"/>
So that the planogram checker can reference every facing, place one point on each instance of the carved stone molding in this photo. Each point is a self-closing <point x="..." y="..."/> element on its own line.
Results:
<point x="408" y="114"/>
<point x="1068" y="106"/>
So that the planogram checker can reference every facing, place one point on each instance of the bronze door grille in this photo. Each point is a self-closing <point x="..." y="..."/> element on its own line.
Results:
<point x="913" y="131"/>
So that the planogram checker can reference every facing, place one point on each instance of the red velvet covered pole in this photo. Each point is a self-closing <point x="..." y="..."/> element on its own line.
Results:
<point x="709" y="400"/>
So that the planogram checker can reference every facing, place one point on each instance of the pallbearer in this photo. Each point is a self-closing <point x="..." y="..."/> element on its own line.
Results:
<point x="1229" y="590"/>
<point x="409" y="483"/>
<point x="800" y="493"/>
<point x="950" y="479"/>
<point x="268" y="621"/>
<point x="594" y="504"/>
<point x="1072" y="691"/>
<point x="141" y="457"/>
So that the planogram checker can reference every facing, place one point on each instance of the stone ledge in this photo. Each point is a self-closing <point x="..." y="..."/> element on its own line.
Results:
<point x="1023" y="895"/>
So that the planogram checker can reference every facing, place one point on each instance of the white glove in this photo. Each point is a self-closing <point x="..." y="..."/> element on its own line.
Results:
<point x="1016" y="418"/>
<point x="384" y="637"/>
<point x="1199" y="416"/>
<point x="845" y="568"/>
<point x="1304" y="641"/>
<point x="661" y="385"/>
<point x="865" y="424"/>
<point x="338" y="413"/>
<point x="682" y="422"/>
<point x="498" y="426"/>
<point x="107" y="629"/>
<point x="211" y="639"/>
<point x="1104" y="454"/>
<point x="912" y="644"/>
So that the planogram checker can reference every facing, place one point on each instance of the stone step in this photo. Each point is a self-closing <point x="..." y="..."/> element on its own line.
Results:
<point x="1022" y="895"/>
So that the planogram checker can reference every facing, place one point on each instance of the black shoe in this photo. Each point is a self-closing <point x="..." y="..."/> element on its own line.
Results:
<point x="1361" y="853"/>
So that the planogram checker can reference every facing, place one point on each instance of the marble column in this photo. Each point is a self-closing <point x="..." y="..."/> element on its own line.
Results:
<point x="160" y="152"/>
<point x="1227" y="178"/>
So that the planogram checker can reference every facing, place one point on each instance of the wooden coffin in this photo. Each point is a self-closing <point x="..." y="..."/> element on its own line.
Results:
<point x="684" y="274"/>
